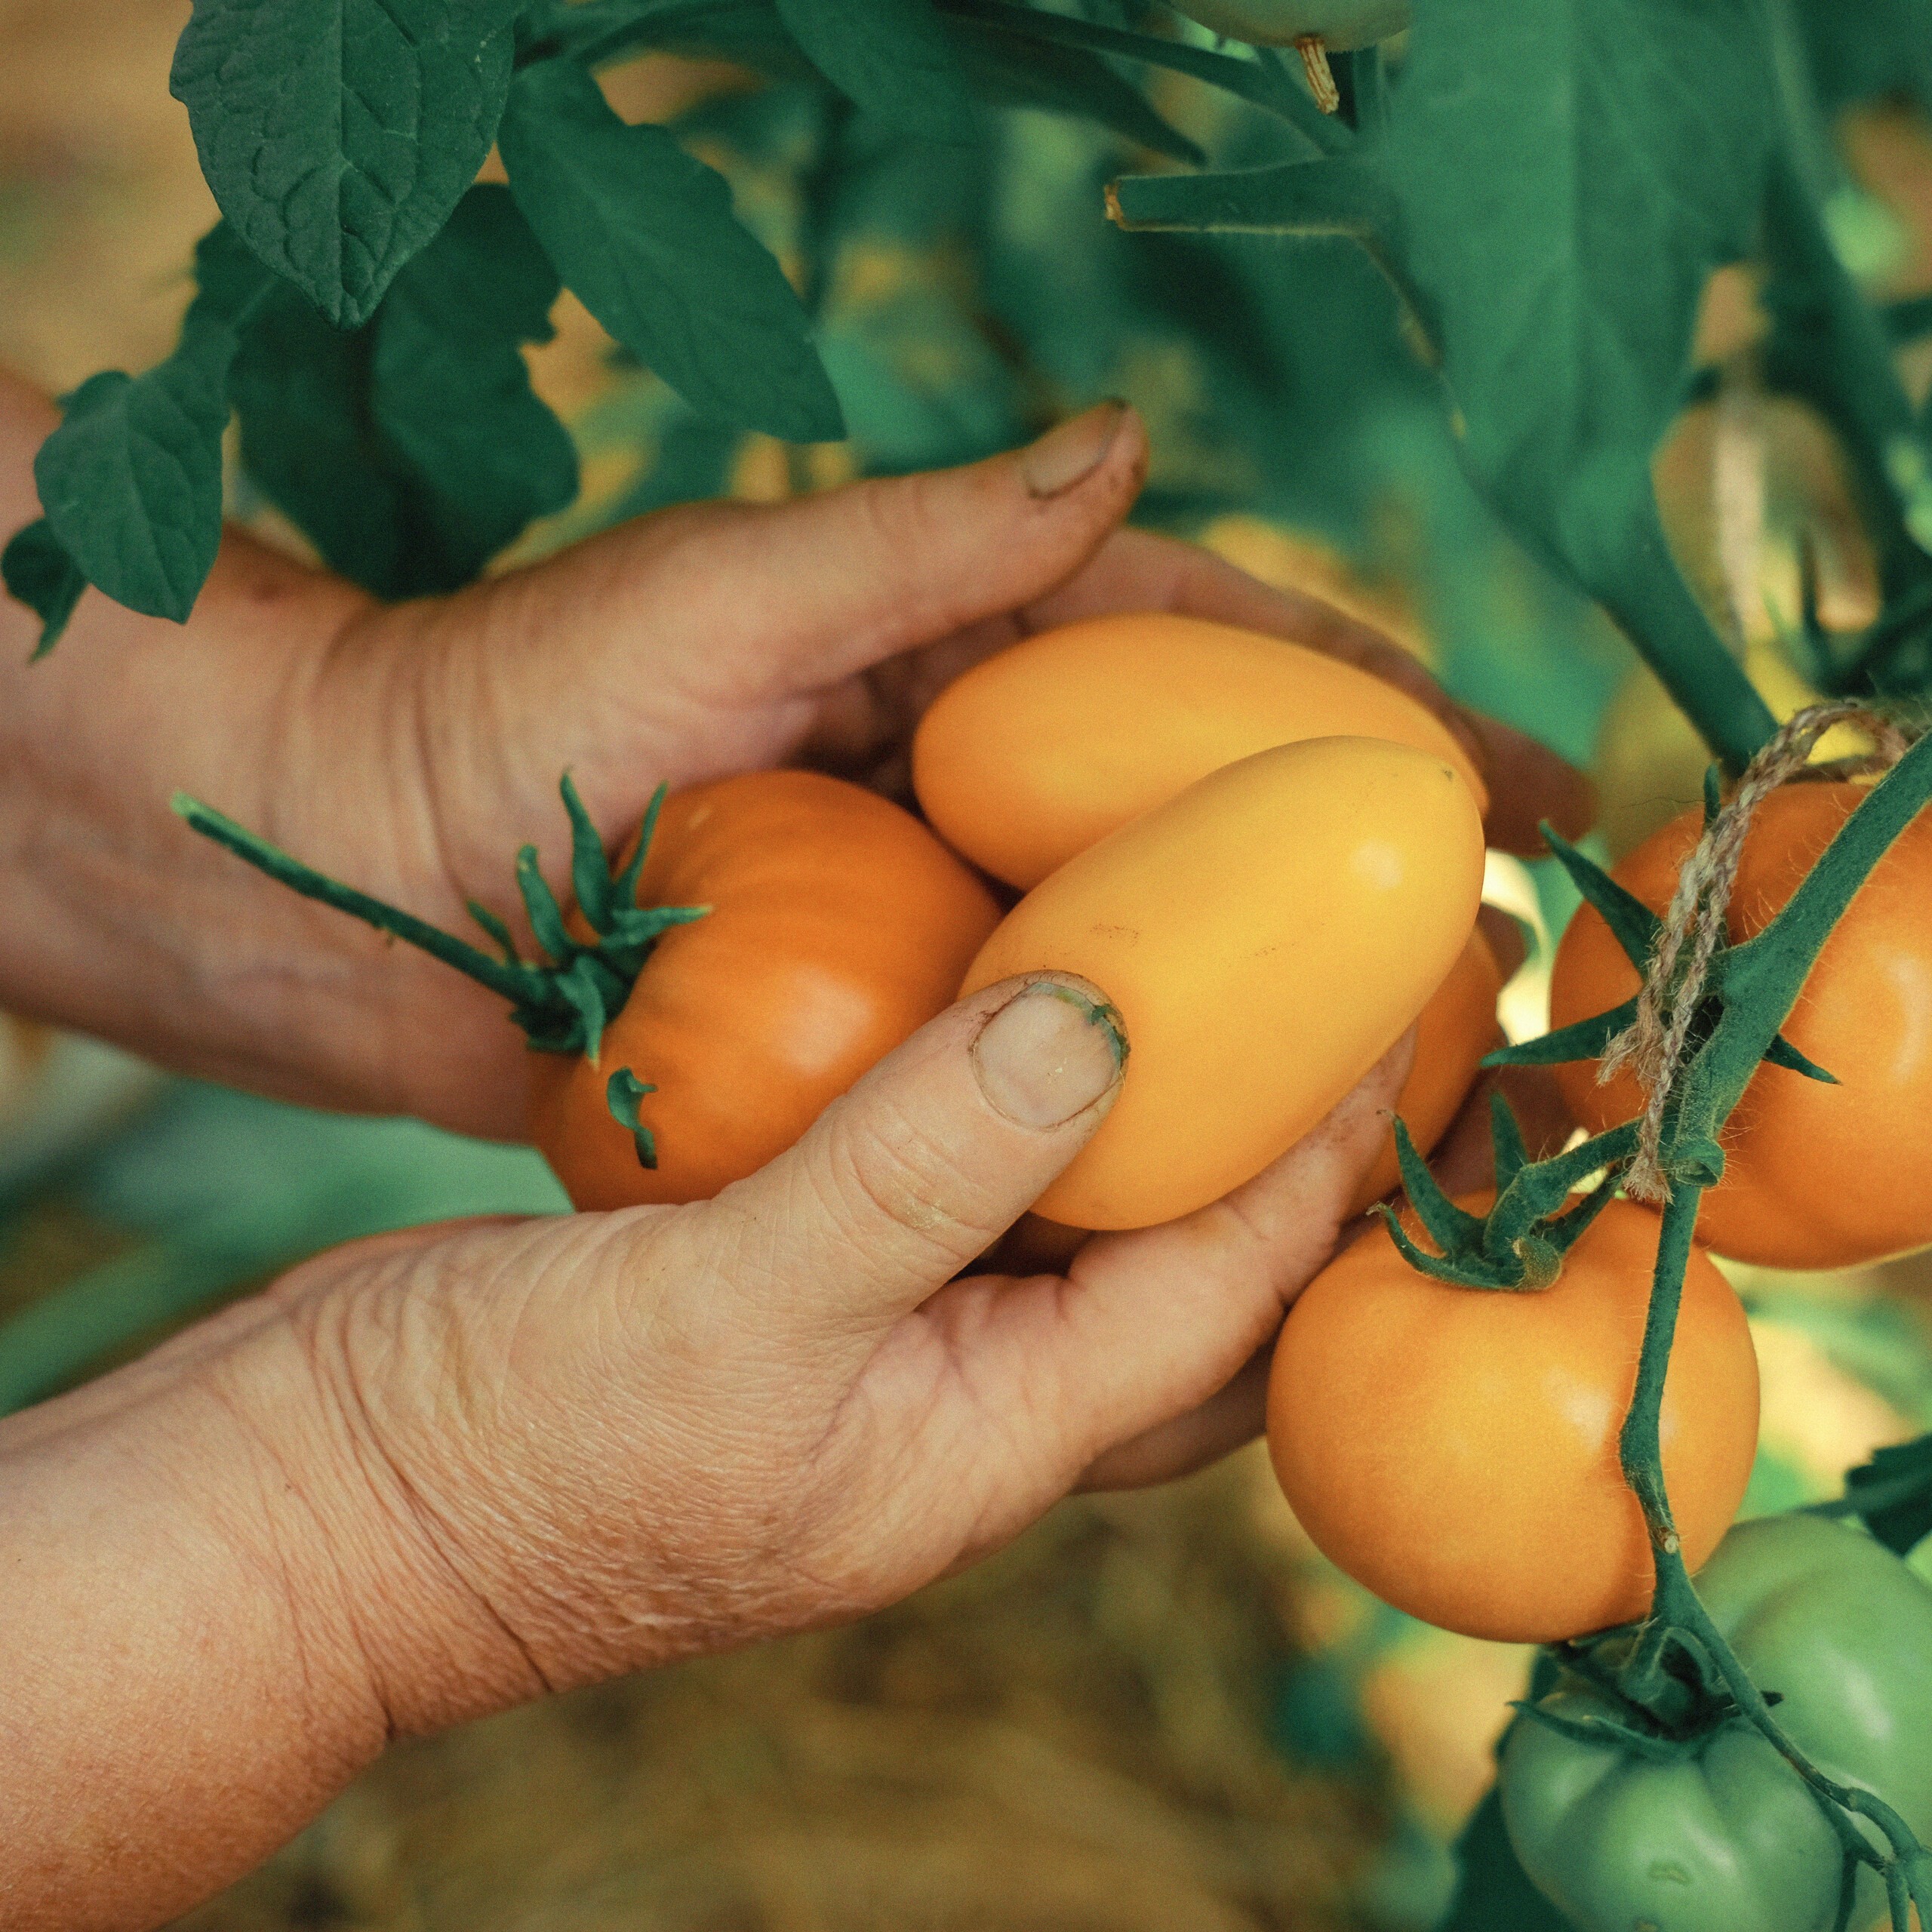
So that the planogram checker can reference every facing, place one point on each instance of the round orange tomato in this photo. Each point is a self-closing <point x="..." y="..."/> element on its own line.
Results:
<point x="1035" y="754"/>
<point x="839" y="926"/>
<point x="1455" y="1449"/>
<point x="1815" y="1175"/>
<point x="1453" y="1033"/>
<point x="1267" y="935"/>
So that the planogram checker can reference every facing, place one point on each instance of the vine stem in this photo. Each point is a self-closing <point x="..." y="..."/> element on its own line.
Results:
<point x="1675" y="1605"/>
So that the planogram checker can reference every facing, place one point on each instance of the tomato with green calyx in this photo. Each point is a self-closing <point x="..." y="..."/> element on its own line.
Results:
<point x="804" y="927"/>
<point x="1816" y="1175"/>
<point x="1012" y="769"/>
<point x="1340" y="24"/>
<point x="1455" y="1449"/>
<point x="1453" y="1032"/>
<point x="1719" y="1834"/>
<point x="839" y="926"/>
<point x="1267" y="935"/>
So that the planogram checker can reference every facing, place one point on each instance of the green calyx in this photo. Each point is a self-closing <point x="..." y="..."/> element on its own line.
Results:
<point x="1518" y="1246"/>
<point x="563" y="1001"/>
<point x="1748" y="993"/>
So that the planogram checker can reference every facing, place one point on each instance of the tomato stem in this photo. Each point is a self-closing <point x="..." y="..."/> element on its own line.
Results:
<point x="564" y="1002"/>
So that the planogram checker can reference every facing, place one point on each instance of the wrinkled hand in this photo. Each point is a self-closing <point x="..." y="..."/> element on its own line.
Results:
<point x="449" y="1469"/>
<point x="411" y="750"/>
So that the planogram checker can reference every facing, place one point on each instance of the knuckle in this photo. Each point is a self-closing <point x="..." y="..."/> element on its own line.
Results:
<point x="888" y="1170"/>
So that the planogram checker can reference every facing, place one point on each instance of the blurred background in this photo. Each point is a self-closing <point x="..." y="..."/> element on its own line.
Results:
<point x="1153" y="1711"/>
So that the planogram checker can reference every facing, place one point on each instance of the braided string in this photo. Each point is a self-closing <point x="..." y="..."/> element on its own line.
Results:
<point x="1653" y="1045"/>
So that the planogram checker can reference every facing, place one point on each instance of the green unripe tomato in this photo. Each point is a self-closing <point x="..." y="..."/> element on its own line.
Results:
<point x="1339" y="25"/>
<point x="1727" y="1837"/>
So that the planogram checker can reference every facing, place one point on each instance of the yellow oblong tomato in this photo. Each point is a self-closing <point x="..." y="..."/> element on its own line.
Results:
<point x="1453" y="1033"/>
<point x="1035" y="754"/>
<point x="839" y="926"/>
<point x="1267" y="935"/>
<point x="1455" y="1450"/>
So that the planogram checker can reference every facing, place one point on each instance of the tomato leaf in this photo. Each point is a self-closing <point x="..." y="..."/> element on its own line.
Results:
<point x="1570" y="172"/>
<point x="339" y="135"/>
<point x="38" y="572"/>
<point x="645" y="235"/>
<point x="892" y="58"/>
<point x="1893" y="1492"/>
<point x="1009" y="69"/>
<point x="449" y="390"/>
<point x="130" y="482"/>
<point x="411" y="450"/>
<point x="1494" y="1893"/>
<point x="1879" y="47"/>
<point x="1247" y="80"/>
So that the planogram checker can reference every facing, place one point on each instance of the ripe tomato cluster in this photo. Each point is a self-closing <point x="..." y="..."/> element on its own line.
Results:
<point x="1263" y="833"/>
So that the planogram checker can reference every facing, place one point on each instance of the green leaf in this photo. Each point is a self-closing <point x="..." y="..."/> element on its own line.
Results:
<point x="1865" y="52"/>
<point x="410" y="452"/>
<point x="38" y="572"/>
<point x="595" y="33"/>
<point x="1570" y="172"/>
<point x="309" y="443"/>
<point x="645" y="235"/>
<point x="892" y="58"/>
<point x="1494" y="1893"/>
<point x="1247" y="80"/>
<point x="130" y="482"/>
<point x="338" y="135"/>
<point x="1893" y="1492"/>
<point x="449" y="389"/>
<point x="1010" y="69"/>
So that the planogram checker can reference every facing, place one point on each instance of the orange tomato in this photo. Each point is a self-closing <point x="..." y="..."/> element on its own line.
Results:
<point x="1453" y="1033"/>
<point x="1035" y="754"/>
<point x="1455" y="1450"/>
<point x="839" y="925"/>
<point x="1267" y="935"/>
<point x="1815" y="1175"/>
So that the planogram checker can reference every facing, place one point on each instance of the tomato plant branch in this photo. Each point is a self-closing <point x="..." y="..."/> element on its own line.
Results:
<point x="1752" y="988"/>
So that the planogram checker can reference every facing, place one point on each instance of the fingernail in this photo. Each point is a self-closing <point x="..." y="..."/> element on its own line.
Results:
<point x="1049" y="1053"/>
<point x="1071" y="451"/>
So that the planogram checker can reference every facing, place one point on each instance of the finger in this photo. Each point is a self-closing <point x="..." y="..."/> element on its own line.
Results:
<point x="1528" y="784"/>
<point x="1231" y="1417"/>
<point x="877" y="568"/>
<point x="1142" y="571"/>
<point x="940" y="1148"/>
<point x="1148" y="1327"/>
<point x="1508" y="945"/>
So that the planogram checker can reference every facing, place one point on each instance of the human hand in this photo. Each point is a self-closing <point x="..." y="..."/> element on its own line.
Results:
<point x="412" y="749"/>
<point x="434" y="1474"/>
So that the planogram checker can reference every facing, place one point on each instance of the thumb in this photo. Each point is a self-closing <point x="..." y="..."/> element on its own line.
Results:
<point x="877" y="568"/>
<point x="938" y="1150"/>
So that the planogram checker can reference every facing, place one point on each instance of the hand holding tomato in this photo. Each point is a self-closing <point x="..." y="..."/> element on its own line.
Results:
<point x="437" y="1473"/>
<point x="413" y="749"/>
